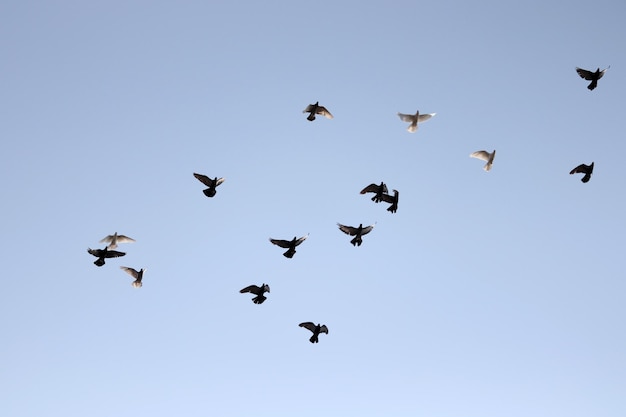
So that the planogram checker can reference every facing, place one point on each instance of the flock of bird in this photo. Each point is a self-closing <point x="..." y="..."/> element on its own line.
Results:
<point x="380" y="191"/>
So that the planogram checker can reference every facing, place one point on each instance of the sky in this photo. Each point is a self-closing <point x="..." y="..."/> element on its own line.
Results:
<point x="487" y="294"/>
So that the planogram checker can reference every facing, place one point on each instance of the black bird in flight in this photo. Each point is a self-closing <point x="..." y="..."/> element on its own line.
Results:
<point x="316" y="329"/>
<point x="314" y="109"/>
<point x="583" y="169"/>
<point x="114" y="239"/>
<point x="592" y="76"/>
<point x="358" y="232"/>
<point x="258" y="291"/>
<point x="378" y="191"/>
<point x="211" y="183"/>
<point x="290" y="245"/>
<point x="104" y="253"/>
<point x="138" y="275"/>
<point x="393" y="200"/>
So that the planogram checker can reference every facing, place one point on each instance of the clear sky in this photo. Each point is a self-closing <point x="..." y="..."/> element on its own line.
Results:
<point x="487" y="294"/>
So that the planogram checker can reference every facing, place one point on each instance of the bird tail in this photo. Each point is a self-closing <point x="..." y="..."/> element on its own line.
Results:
<point x="209" y="192"/>
<point x="592" y="85"/>
<point x="311" y="117"/>
<point x="313" y="339"/>
<point x="136" y="284"/>
<point x="356" y="241"/>
<point x="99" y="262"/>
<point x="392" y="208"/>
<point x="259" y="299"/>
<point x="289" y="254"/>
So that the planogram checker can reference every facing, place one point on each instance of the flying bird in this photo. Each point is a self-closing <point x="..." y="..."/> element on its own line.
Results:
<point x="290" y="245"/>
<point x="211" y="183"/>
<point x="101" y="254"/>
<point x="393" y="200"/>
<point x="378" y="191"/>
<point x="138" y="275"/>
<point x="314" y="109"/>
<point x="357" y="232"/>
<point x="484" y="156"/>
<point x="414" y="119"/>
<point x="316" y="329"/>
<point x="583" y="169"/>
<point x="592" y="76"/>
<point x="114" y="239"/>
<point x="258" y="291"/>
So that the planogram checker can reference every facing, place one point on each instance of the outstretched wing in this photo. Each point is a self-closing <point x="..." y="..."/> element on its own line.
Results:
<point x="251" y="288"/>
<point x="349" y="230"/>
<point x="580" y="169"/>
<point x="409" y="118"/>
<point x="389" y="198"/>
<point x="114" y="254"/>
<point x="587" y="75"/>
<point x="300" y="240"/>
<point x="130" y="271"/>
<point x="324" y="112"/>
<point x="282" y="243"/>
<point x="483" y="155"/>
<point x="95" y="252"/>
<point x="308" y="325"/>
<point x="324" y="329"/>
<point x="219" y="181"/>
<point x="367" y="229"/>
<point x="423" y="117"/>
<point x="204" y="179"/>
<point x="124" y="239"/>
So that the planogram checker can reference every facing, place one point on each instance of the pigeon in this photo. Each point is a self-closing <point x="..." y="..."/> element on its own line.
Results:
<point x="377" y="189"/>
<point x="583" y="169"/>
<point x="592" y="76"/>
<point x="314" y="109"/>
<point x="393" y="200"/>
<point x="104" y="253"/>
<point x="485" y="156"/>
<point x="138" y="275"/>
<point x="358" y="232"/>
<point x="258" y="291"/>
<point x="414" y="119"/>
<point x="316" y="329"/>
<point x="211" y="183"/>
<point x="290" y="245"/>
<point x="114" y="239"/>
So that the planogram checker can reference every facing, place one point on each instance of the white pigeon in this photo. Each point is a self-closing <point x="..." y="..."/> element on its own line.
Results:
<point x="114" y="239"/>
<point x="414" y="119"/>
<point x="484" y="156"/>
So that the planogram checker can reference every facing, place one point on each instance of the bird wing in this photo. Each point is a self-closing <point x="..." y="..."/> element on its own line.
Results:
<point x="367" y="229"/>
<point x="114" y="254"/>
<point x="409" y="118"/>
<point x="282" y="243"/>
<point x="302" y="239"/>
<point x="251" y="288"/>
<point x="483" y="155"/>
<point x="423" y="117"/>
<point x="389" y="198"/>
<point x="130" y="271"/>
<point x="349" y="230"/>
<point x="308" y="325"/>
<point x="372" y="188"/>
<point x="219" y="181"/>
<point x="107" y="239"/>
<point x="124" y="239"/>
<point x="95" y="252"/>
<point x="204" y="179"/>
<point x="324" y="112"/>
<point x="324" y="329"/>
<point x="309" y="108"/>
<point x="587" y="75"/>
<point x="580" y="169"/>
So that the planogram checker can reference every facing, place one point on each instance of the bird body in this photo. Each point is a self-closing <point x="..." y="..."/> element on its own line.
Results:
<point x="378" y="191"/>
<point x="583" y="169"/>
<point x="485" y="156"/>
<point x="114" y="239"/>
<point x="314" y="109"/>
<point x="290" y="245"/>
<point x="357" y="232"/>
<point x="315" y="328"/>
<point x="393" y="200"/>
<point x="211" y="183"/>
<point x="414" y="119"/>
<point x="258" y="291"/>
<point x="138" y="275"/>
<point x="101" y="254"/>
<point x="592" y="76"/>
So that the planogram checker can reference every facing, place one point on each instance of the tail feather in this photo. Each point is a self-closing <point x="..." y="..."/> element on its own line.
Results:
<point x="356" y="241"/>
<point x="311" y="116"/>
<point x="209" y="192"/>
<point x="313" y="339"/>
<point x="259" y="299"/>
<point x="99" y="262"/>
<point x="289" y="254"/>
<point x="593" y="85"/>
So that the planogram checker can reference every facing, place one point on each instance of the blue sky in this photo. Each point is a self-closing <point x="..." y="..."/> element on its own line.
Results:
<point x="486" y="294"/>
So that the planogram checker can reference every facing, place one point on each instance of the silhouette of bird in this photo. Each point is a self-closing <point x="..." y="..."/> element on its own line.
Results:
<point x="414" y="119"/>
<point x="592" y="76"/>
<point x="101" y="254"/>
<point x="484" y="156"/>
<point x="583" y="169"/>
<point x="358" y="232"/>
<point x="211" y="183"/>
<point x="258" y="291"/>
<point x="379" y="190"/>
<point x="393" y="200"/>
<point x="114" y="239"/>
<point x="316" y="329"/>
<point x="314" y="109"/>
<point x="290" y="245"/>
<point x="138" y="275"/>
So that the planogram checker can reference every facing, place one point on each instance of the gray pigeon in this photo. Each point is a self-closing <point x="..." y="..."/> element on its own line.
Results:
<point x="114" y="239"/>
<point x="138" y="275"/>
<point x="316" y="329"/>
<point x="414" y="119"/>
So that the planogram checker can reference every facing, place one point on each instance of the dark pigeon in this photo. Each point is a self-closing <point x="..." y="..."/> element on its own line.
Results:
<point x="258" y="291"/>
<point x="393" y="200"/>
<point x="378" y="191"/>
<point x="101" y="254"/>
<point x="592" y="76"/>
<point x="583" y="169"/>
<point x="211" y="183"/>
<point x="314" y="109"/>
<point x="358" y="232"/>
<point x="290" y="245"/>
<point x="316" y="329"/>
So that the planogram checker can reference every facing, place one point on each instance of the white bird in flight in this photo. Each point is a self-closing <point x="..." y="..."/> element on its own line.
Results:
<point x="484" y="156"/>
<point x="414" y="119"/>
